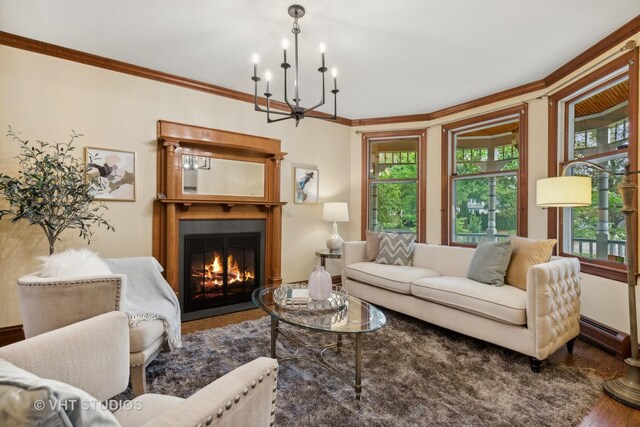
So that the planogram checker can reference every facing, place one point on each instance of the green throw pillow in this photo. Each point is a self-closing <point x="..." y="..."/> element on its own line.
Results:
<point x="489" y="263"/>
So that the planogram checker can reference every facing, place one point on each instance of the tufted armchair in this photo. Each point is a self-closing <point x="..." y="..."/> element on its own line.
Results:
<point x="48" y="304"/>
<point x="91" y="355"/>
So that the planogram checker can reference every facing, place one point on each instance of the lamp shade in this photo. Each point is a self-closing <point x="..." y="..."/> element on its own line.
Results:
<point x="564" y="191"/>
<point x="335" y="211"/>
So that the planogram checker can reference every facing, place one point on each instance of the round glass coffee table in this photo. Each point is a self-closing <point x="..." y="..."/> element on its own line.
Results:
<point x="356" y="318"/>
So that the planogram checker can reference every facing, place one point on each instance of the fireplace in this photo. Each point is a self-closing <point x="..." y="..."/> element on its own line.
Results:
<point x="218" y="205"/>
<point x="222" y="262"/>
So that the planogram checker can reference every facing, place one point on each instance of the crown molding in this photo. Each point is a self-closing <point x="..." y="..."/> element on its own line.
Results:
<point x="24" y="43"/>
<point x="618" y="36"/>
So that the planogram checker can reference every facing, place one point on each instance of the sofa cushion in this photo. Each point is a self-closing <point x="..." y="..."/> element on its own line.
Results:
<point x="372" y="248"/>
<point x="526" y="253"/>
<point x="73" y="263"/>
<point x="396" y="248"/>
<point x="505" y="304"/>
<point x="144" y="334"/>
<point x="26" y="399"/>
<point x="489" y="263"/>
<point x="395" y="278"/>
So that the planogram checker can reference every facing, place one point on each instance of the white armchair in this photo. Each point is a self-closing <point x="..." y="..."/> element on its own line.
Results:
<point x="48" y="304"/>
<point x="92" y="355"/>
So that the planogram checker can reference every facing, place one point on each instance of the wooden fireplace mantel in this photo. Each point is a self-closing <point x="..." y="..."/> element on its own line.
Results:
<point x="173" y="206"/>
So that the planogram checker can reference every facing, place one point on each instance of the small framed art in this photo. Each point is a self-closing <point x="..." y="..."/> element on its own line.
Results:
<point x="305" y="183"/>
<point x="113" y="172"/>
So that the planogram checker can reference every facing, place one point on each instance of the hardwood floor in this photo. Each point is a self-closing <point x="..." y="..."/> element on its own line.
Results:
<point x="606" y="412"/>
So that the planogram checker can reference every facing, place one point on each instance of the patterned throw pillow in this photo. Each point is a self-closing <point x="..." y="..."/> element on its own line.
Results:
<point x="396" y="249"/>
<point x="526" y="253"/>
<point x="372" y="248"/>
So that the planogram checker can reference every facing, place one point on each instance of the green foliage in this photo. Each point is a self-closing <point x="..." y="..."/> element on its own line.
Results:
<point x="397" y="201"/>
<point x="50" y="190"/>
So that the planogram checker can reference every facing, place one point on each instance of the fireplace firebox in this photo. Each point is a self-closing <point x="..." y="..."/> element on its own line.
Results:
<point x="221" y="263"/>
<point x="220" y="269"/>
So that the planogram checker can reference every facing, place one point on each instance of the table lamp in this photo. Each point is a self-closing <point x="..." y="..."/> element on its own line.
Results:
<point x="336" y="212"/>
<point x="569" y="191"/>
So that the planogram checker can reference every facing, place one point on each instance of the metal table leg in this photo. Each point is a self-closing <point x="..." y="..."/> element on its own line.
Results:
<point x="358" y="386"/>
<point x="274" y="336"/>
<point x="339" y="346"/>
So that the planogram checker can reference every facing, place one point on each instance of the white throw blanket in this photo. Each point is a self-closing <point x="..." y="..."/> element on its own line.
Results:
<point x="148" y="295"/>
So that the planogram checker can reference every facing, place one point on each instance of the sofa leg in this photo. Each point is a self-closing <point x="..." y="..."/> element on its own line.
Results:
<point x="535" y="364"/>
<point x="570" y="344"/>
<point x="138" y="380"/>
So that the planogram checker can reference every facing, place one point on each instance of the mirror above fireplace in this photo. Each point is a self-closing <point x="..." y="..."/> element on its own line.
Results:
<point x="222" y="177"/>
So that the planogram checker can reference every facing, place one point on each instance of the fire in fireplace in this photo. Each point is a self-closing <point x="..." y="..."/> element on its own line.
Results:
<point x="221" y="269"/>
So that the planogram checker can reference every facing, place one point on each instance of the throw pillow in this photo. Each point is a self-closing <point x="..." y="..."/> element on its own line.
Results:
<point x="526" y="253"/>
<point x="489" y="263"/>
<point x="372" y="248"/>
<point x="30" y="400"/>
<point x="73" y="263"/>
<point x="396" y="249"/>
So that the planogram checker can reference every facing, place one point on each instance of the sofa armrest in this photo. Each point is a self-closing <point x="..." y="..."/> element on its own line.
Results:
<point x="51" y="303"/>
<point x="553" y="304"/>
<point x="92" y="355"/>
<point x="352" y="252"/>
<point x="245" y="396"/>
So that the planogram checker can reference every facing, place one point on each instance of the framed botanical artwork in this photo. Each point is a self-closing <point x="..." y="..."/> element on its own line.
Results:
<point x="305" y="183"/>
<point x="113" y="172"/>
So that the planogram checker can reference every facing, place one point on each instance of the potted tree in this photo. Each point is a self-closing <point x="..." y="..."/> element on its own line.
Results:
<point x="50" y="190"/>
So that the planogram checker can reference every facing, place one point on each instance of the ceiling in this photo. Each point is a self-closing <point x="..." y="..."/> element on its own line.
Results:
<point x="393" y="57"/>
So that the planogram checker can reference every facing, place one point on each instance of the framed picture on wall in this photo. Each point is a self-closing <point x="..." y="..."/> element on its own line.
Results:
<point x="305" y="185"/>
<point x="113" y="172"/>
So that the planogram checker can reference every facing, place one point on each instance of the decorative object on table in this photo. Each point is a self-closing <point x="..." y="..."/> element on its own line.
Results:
<point x="291" y="296"/>
<point x="296" y="111"/>
<point x="113" y="172"/>
<point x="305" y="185"/>
<point x="320" y="284"/>
<point x="336" y="212"/>
<point x="569" y="191"/>
<point x="50" y="190"/>
<point x="489" y="263"/>
<point x="396" y="248"/>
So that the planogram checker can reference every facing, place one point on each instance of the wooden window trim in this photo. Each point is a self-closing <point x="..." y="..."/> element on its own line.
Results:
<point x="421" y="135"/>
<point x="598" y="268"/>
<point x="448" y="158"/>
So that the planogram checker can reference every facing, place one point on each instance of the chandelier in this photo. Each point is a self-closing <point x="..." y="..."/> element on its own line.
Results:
<point x="296" y="111"/>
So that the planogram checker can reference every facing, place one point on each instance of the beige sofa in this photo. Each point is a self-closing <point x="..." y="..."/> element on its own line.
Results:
<point x="93" y="355"/>
<point x="535" y="322"/>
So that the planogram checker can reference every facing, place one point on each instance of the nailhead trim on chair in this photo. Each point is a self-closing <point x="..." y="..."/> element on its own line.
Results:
<point x="151" y="357"/>
<point x="220" y="411"/>
<point x="82" y="282"/>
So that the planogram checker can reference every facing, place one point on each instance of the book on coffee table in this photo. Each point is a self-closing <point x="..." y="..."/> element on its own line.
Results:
<point x="298" y="296"/>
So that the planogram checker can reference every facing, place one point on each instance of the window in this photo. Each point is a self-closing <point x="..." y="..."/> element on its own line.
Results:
<point x="591" y="122"/>
<point x="482" y="174"/>
<point x="393" y="174"/>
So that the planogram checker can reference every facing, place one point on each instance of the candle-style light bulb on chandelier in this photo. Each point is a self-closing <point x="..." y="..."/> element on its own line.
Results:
<point x="296" y="111"/>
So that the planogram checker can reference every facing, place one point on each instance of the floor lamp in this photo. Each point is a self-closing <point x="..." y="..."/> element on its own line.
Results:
<point x="569" y="191"/>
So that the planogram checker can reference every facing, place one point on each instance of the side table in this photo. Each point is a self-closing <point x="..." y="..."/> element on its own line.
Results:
<point x="326" y="253"/>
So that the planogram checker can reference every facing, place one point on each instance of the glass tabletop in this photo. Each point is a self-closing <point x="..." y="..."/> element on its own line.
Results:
<point x="356" y="317"/>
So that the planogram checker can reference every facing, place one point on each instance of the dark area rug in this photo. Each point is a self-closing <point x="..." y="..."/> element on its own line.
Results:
<point x="414" y="373"/>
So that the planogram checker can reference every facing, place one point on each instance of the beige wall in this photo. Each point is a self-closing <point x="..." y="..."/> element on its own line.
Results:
<point x="45" y="98"/>
<point x="602" y="300"/>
